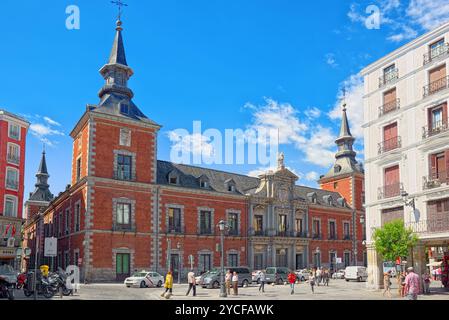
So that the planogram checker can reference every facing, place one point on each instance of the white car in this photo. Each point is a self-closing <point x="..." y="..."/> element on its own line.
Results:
<point x="145" y="279"/>
<point x="255" y="275"/>
<point x="303" y="275"/>
<point x="340" y="274"/>
<point x="356" y="273"/>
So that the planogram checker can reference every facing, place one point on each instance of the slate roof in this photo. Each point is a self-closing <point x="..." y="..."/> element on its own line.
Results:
<point x="189" y="178"/>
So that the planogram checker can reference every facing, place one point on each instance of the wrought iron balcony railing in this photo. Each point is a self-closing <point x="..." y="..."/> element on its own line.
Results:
<point x="388" y="77"/>
<point x="317" y="236"/>
<point x="390" y="144"/>
<point x="347" y="237"/>
<point x="436" y="86"/>
<point x="332" y="237"/>
<point x="390" y="191"/>
<point x="435" y="128"/>
<point x="435" y="225"/>
<point x="389" y="107"/>
<point x="436" y="53"/>
<point x="435" y="180"/>
<point x="12" y="158"/>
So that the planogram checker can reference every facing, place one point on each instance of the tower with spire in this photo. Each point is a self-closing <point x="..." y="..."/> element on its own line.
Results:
<point x="41" y="197"/>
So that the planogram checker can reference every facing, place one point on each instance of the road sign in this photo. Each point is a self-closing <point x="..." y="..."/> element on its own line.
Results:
<point x="51" y="247"/>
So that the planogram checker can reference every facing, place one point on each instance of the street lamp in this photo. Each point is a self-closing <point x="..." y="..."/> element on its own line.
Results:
<point x="405" y="198"/>
<point x="317" y="251"/>
<point x="178" y="245"/>
<point x="222" y="226"/>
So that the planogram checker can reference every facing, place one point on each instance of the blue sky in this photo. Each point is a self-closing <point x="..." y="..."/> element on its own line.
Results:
<point x="229" y="64"/>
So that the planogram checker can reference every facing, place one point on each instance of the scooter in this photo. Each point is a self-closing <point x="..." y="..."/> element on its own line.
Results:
<point x="43" y="286"/>
<point x="6" y="288"/>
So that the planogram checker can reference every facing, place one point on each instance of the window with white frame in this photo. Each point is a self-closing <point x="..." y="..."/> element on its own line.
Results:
<point x="13" y="155"/>
<point x="123" y="215"/>
<point x="125" y="137"/>
<point x="12" y="179"/>
<point x="10" y="206"/>
<point x="14" y="131"/>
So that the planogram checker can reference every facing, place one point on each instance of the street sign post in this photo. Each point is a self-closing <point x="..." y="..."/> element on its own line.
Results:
<point x="51" y="247"/>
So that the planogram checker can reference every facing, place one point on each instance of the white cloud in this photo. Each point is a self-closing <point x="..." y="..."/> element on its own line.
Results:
<point x="195" y="144"/>
<point x="52" y="122"/>
<point x="312" y="176"/>
<point x="331" y="60"/>
<point x="313" y="113"/>
<point x="354" y="100"/>
<point x="428" y="14"/>
<point x="45" y="133"/>
<point x="319" y="148"/>
<point x="259" y="171"/>
<point x="405" y="34"/>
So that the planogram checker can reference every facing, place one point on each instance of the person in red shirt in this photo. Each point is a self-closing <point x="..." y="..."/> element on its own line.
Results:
<point x="292" y="280"/>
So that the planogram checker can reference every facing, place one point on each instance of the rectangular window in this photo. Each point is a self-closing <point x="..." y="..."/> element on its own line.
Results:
<point x="392" y="186"/>
<point x="317" y="259"/>
<point x="347" y="259"/>
<point x="282" y="223"/>
<point x="77" y="217"/>
<point x="13" y="155"/>
<point x="124" y="215"/>
<point x="316" y="228"/>
<point x="174" y="220"/>
<point x="437" y="49"/>
<point x="258" y="224"/>
<point x="205" y="222"/>
<point x="124" y="167"/>
<point x="233" y="222"/>
<point x="14" y="131"/>
<point x="332" y="234"/>
<point x="233" y="260"/>
<point x="346" y="230"/>
<point x="437" y="79"/>
<point x="67" y="221"/>
<point x="60" y="224"/>
<point x="78" y="169"/>
<point x="390" y="101"/>
<point x="205" y="263"/>
<point x="10" y="207"/>
<point x="390" y="73"/>
<point x="12" y="179"/>
<point x="391" y="140"/>
<point x="124" y="108"/>
<point x="298" y="223"/>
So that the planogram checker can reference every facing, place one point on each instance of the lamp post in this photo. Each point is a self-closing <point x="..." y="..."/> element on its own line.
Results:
<point x="222" y="226"/>
<point x="317" y="251"/>
<point x="178" y="245"/>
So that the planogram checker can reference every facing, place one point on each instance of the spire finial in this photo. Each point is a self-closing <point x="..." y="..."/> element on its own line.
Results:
<point x="344" y="99"/>
<point x="119" y="4"/>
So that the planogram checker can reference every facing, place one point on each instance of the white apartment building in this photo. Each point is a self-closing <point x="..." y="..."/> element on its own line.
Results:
<point x="407" y="146"/>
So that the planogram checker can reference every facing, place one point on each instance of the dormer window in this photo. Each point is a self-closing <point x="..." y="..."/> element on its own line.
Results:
<point x="204" y="182"/>
<point x="173" y="178"/>
<point x="341" y="202"/>
<point x="337" y="168"/>
<point x="231" y="188"/>
<point x="327" y="199"/>
<point x="124" y="108"/>
<point x="312" y="197"/>
<point x="230" y="185"/>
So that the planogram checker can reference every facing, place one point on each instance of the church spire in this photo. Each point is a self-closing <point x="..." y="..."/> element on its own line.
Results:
<point x="42" y="191"/>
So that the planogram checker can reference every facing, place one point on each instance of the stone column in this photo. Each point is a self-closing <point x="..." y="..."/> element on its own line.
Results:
<point x="375" y="278"/>
<point x="293" y="256"/>
<point x="419" y="258"/>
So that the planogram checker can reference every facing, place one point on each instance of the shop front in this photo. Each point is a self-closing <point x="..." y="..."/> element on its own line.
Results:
<point x="10" y="241"/>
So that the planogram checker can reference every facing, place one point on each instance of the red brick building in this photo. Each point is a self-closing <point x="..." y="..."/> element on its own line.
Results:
<point x="126" y="211"/>
<point x="13" y="134"/>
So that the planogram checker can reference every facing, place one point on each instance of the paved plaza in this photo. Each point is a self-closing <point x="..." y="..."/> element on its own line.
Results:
<point x="337" y="290"/>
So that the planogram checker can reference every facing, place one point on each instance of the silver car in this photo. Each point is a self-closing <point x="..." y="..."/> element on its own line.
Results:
<point x="212" y="279"/>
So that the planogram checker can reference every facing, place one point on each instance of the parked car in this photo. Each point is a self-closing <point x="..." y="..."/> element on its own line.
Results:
<point x="276" y="275"/>
<point x="340" y="274"/>
<point x="199" y="278"/>
<point x="144" y="279"/>
<point x="356" y="273"/>
<point x="256" y="276"/>
<point x="213" y="278"/>
<point x="302" y="275"/>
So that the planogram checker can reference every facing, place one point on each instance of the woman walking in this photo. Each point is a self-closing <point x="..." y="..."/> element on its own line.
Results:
<point x="312" y="281"/>
<point x="292" y="280"/>
<point x="426" y="283"/>
<point x="235" y="283"/>
<point x="262" y="280"/>
<point x="168" y="285"/>
<point x="387" y="284"/>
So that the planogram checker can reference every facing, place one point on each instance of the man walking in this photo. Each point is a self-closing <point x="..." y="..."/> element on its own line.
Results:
<point x="412" y="284"/>
<point x="192" y="283"/>
<point x="292" y="279"/>
<point x="318" y="276"/>
<point x="426" y="283"/>
<point x="235" y="283"/>
<point x="262" y="279"/>
<point x="228" y="281"/>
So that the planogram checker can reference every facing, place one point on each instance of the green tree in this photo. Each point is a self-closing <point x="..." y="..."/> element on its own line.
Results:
<point x="393" y="240"/>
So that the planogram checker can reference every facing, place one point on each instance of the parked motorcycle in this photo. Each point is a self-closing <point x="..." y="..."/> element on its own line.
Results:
<point x="58" y="280"/>
<point x="7" y="282"/>
<point x="21" y="280"/>
<point x="43" y="286"/>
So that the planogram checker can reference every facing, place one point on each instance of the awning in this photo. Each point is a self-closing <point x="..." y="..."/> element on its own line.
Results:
<point x="435" y="264"/>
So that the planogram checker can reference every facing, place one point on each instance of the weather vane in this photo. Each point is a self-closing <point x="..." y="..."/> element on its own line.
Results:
<point x="119" y="4"/>
<point x="344" y="98"/>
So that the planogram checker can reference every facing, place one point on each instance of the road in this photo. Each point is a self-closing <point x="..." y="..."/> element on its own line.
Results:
<point x="337" y="290"/>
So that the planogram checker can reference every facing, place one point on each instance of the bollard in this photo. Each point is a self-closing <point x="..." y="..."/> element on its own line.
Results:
<point x="61" y="295"/>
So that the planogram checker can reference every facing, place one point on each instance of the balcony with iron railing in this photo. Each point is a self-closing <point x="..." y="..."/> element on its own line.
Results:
<point x="390" y="191"/>
<point x="436" y="86"/>
<point x="332" y="237"/>
<point x="12" y="184"/>
<point x="317" y="236"/>
<point x="389" y="145"/>
<point x="435" y="180"/>
<point x="13" y="158"/>
<point x="389" y="107"/>
<point x="277" y="233"/>
<point x="388" y="77"/>
<point x="436" y="53"/>
<point x="434" y="225"/>
<point x="347" y="237"/>
<point x="436" y="128"/>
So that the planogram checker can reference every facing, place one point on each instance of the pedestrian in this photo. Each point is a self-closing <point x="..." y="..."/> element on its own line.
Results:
<point x="192" y="283"/>
<point x="318" y="276"/>
<point x="426" y="282"/>
<point x="168" y="284"/>
<point x="326" y="277"/>
<point x="401" y="281"/>
<point x="412" y="288"/>
<point x="387" y="284"/>
<point x="312" y="281"/>
<point x="262" y="279"/>
<point x="292" y="280"/>
<point x="228" y="281"/>
<point x="235" y="283"/>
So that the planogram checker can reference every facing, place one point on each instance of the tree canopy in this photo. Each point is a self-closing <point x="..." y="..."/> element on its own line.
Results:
<point x="393" y="240"/>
